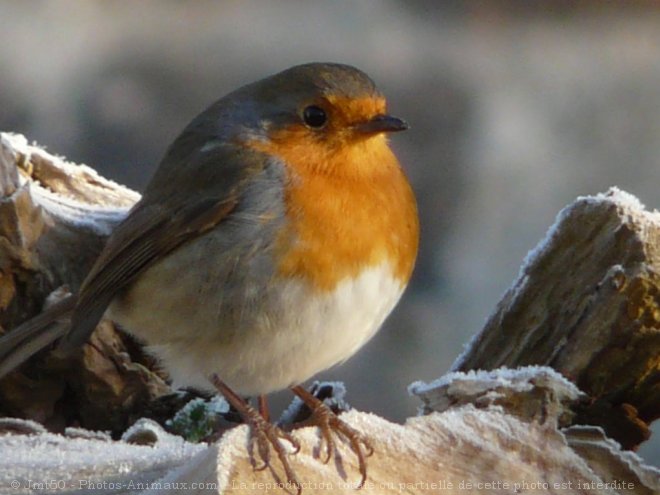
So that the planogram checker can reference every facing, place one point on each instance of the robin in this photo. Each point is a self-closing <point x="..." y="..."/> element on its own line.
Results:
<point x="277" y="234"/>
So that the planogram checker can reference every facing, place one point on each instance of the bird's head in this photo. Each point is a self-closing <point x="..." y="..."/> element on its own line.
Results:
<point x="321" y="116"/>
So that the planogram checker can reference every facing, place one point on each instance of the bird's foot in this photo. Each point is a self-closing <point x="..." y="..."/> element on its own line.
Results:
<point x="329" y="423"/>
<point x="263" y="435"/>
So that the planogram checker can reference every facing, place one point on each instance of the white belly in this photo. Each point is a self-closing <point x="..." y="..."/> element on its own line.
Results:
<point x="296" y="334"/>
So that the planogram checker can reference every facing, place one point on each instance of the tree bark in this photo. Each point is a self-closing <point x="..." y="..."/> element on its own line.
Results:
<point x="587" y="303"/>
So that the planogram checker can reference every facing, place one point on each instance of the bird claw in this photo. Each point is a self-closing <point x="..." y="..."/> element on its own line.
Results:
<point x="263" y="449"/>
<point x="262" y="433"/>
<point x="266" y="436"/>
<point x="329" y="446"/>
<point x="329" y="423"/>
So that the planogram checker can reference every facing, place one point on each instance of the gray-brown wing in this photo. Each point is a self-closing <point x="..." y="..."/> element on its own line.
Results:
<point x="172" y="211"/>
<point x="149" y="233"/>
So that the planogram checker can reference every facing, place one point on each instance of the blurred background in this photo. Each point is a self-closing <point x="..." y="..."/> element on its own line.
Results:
<point x="516" y="109"/>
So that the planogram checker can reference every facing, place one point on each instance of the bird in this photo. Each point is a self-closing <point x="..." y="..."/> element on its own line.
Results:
<point x="276" y="235"/>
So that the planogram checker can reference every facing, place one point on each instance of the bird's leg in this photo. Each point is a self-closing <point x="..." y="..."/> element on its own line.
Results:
<point x="262" y="432"/>
<point x="329" y="422"/>
<point x="263" y="407"/>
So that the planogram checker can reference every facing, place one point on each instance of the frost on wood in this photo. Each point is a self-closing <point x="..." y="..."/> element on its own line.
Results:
<point x="587" y="303"/>
<point x="78" y="463"/>
<point x="608" y="461"/>
<point x="458" y="449"/>
<point x="470" y="447"/>
<point x="530" y="393"/>
<point x="54" y="218"/>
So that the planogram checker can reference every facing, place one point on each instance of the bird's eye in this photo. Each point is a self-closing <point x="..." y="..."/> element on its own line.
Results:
<point x="314" y="117"/>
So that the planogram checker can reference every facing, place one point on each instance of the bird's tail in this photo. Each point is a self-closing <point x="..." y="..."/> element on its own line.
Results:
<point x="24" y="341"/>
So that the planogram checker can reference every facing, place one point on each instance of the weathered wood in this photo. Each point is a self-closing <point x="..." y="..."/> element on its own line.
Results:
<point x="483" y="443"/>
<point x="54" y="219"/>
<point x="587" y="303"/>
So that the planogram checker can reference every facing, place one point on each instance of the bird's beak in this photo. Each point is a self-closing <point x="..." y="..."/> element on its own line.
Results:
<point x="381" y="123"/>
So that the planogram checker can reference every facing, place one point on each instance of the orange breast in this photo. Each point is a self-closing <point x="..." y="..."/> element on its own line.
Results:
<point x="350" y="207"/>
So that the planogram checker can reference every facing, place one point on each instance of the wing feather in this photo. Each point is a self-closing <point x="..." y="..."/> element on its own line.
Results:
<point x="157" y="226"/>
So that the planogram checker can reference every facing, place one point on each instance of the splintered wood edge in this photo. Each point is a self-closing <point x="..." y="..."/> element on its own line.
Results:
<point x="521" y="304"/>
<point x="587" y="303"/>
<point x="71" y="193"/>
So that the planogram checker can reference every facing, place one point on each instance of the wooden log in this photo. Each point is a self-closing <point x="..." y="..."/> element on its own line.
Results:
<point x="486" y="439"/>
<point x="54" y="219"/>
<point x="587" y="303"/>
